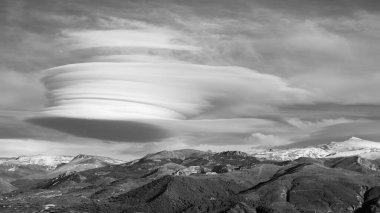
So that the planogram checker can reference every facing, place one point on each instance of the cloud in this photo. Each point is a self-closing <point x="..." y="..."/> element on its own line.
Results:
<point x="324" y="8"/>
<point x="159" y="38"/>
<point x="267" y="140"/>
<point x="20" y="91"/>
<point x="160" y="90"/>
<point x="136" y="58"/>
<point x="327" y="111"/>
<point x="309" y="38"/>
<point x="340" y="132"/>
<point x="186" y="70"/>
<point x="104" y="129"/>
<point x="315" y="125"/>
<point x="346" y="89"/>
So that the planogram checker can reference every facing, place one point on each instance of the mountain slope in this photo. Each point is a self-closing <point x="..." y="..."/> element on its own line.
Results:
<point x="5" y="186"/>
<point x="299" y="186"/>
<point x="85" y="162"/>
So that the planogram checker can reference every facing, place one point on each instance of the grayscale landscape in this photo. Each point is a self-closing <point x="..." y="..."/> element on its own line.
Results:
<point x="238" y="106"/>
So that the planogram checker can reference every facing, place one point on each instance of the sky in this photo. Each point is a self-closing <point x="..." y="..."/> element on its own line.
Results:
<point x="123" y="78"/>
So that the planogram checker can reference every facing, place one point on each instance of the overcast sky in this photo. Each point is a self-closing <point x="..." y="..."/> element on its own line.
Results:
<point x="123" y="78"/>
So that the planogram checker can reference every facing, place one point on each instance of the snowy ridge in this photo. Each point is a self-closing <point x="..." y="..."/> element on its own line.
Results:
<point x="353" y="144"/>
<point x="292" y="154"/>
<point x="108" y="160"/>
<point x="42" y="160"/>
<point x="52" y="161"/>
<point x="352" y="147"/>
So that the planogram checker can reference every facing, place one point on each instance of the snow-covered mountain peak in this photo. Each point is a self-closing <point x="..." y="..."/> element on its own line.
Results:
<point x="351" y="147"/>
<point x="50" y="161"/>
<point x="352" y="144"/>
<point x="292" y="154"/>
<point x="58" y="163"/>
<point x="355" y="139"/>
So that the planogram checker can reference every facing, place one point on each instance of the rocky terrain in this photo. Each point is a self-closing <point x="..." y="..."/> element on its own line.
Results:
<point x="340" y="177"/>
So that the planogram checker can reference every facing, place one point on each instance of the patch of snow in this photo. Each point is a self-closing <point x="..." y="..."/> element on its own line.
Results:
<point x="189" y="170"/>
<point x="45" y="160"/>
<point x="12" y="169"/>
<point x="48" y="206"/>
<point x="292" y="154"/>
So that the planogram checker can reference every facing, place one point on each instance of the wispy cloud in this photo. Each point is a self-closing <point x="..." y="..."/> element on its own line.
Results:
<point x="156" y="38"/>
<point x="20" y="91"/>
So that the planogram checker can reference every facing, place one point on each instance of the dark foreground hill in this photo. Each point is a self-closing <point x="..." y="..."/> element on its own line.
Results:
<point x="194" y="181"/>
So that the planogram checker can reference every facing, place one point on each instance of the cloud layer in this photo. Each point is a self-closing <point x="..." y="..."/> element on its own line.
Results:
<point x="207" y="74"/>
<point x="160" y="90"/>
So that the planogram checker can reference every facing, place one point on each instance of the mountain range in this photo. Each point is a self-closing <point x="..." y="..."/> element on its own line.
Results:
<point x="351" y="147"/>
<point x="335" y="177"/>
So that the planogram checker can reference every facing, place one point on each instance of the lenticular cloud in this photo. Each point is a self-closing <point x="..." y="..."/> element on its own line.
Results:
<point x="108" y="90"/>
<point x="146" y="85"/>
